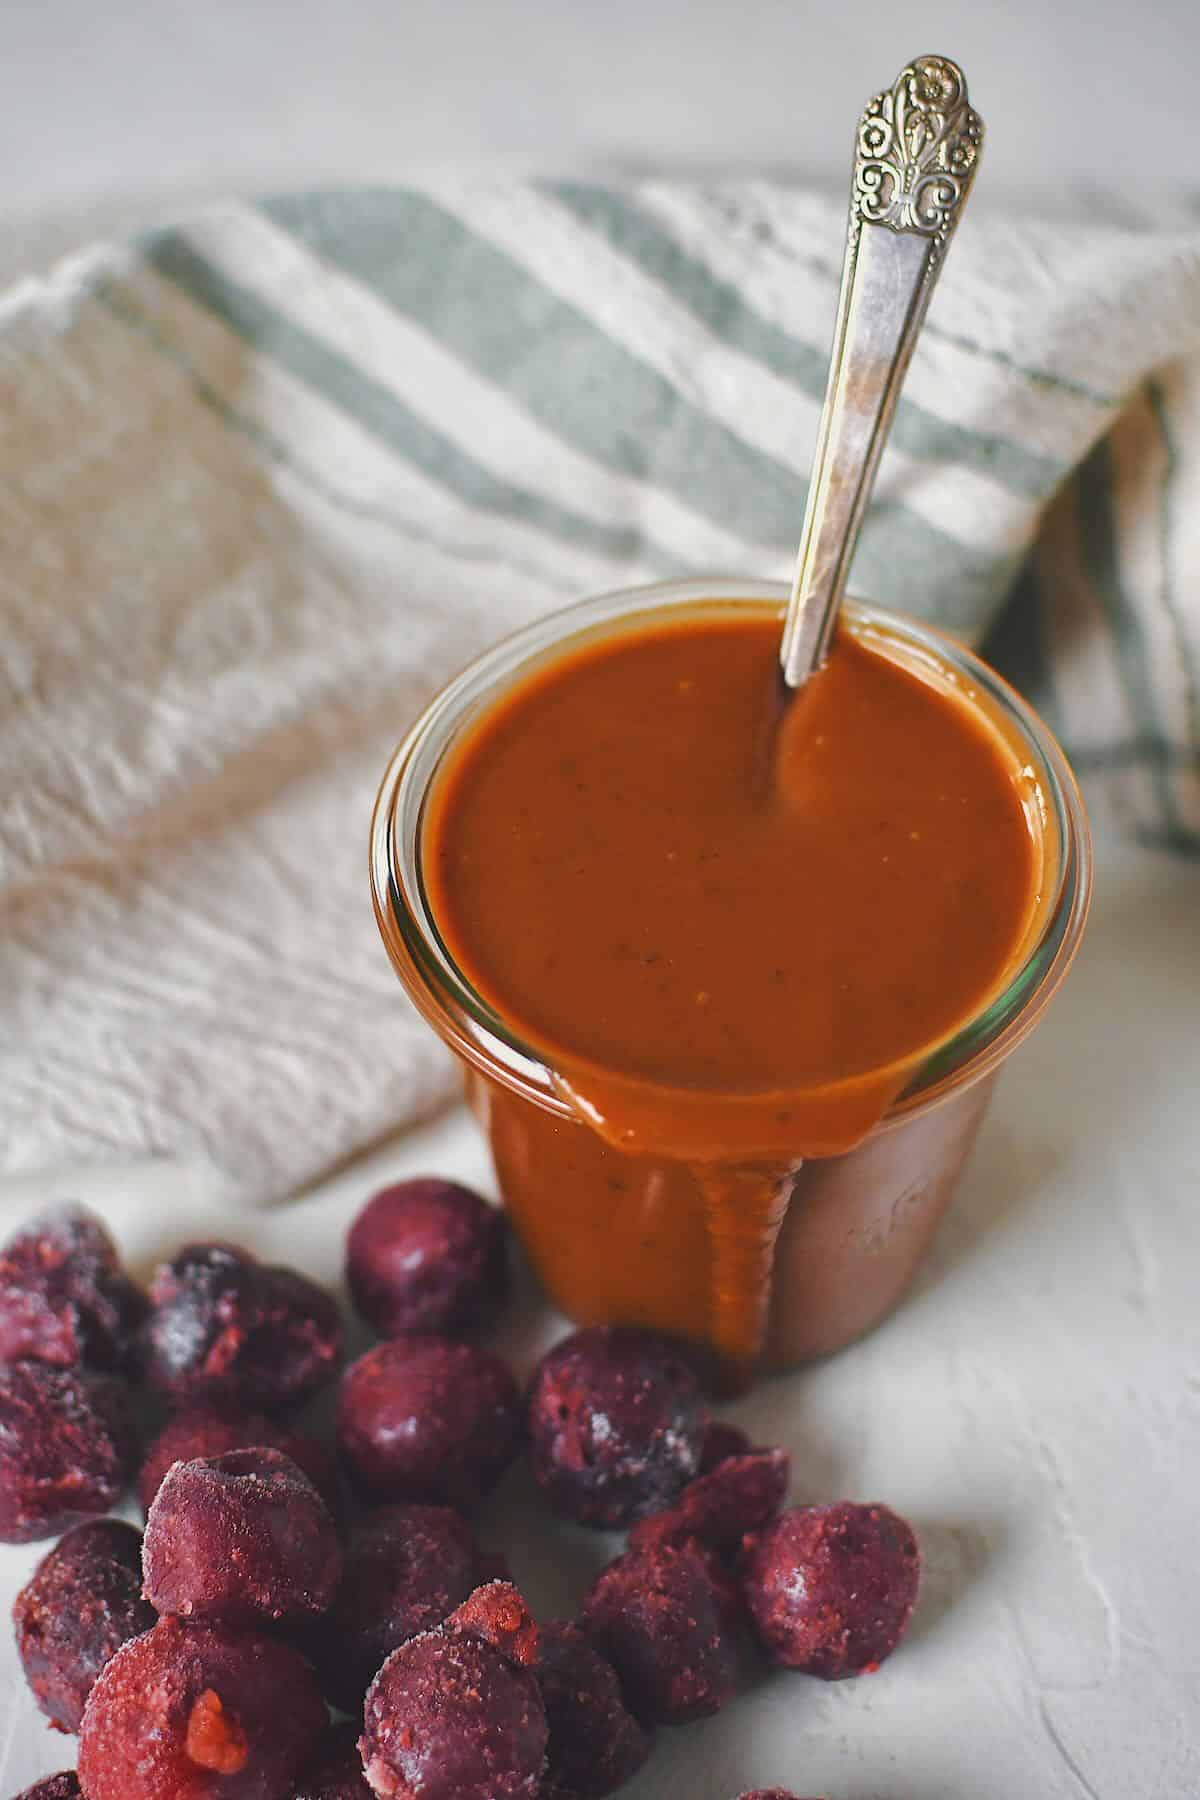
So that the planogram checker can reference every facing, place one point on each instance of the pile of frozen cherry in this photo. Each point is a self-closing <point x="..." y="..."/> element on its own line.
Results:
<point x="278" y="1578"/>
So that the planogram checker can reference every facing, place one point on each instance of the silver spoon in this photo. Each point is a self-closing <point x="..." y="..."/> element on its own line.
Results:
<point x="917" y="150"/>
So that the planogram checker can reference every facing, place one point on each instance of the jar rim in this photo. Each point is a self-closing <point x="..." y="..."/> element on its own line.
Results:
<point x="465" y="1020"/>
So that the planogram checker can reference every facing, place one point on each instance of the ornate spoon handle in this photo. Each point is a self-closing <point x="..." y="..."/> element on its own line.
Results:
<point x="918" y="146"/>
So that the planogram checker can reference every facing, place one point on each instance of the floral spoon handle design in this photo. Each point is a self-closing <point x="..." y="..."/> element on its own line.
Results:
<point x="917" y="150"/>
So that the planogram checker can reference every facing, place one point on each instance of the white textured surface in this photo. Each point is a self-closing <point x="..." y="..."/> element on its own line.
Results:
<point x="144" y="96"/>
<point x="1035" y="1408"/>
<point x="116" y="117"/>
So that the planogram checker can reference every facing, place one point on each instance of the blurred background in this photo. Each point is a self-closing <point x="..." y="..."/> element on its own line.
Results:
<point x="115" y="113"/>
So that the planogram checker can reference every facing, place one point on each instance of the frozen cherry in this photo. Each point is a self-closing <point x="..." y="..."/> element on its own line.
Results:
<point x="830" y="1589"/>
<point x="616" y="1425"/>
<point x="740" y="1495"/>
<point x="405" y="1568"/>
<point x="64" y="1297"/>
<point x="595" y="1743"/>
<point x="721" y="1441"/>
<point x="190" y="1712"/>
<point x="227" y="1330"/>
<point x="64" y="1786"/>
<point x="427" y="1256"/>
<point x="206" y="1431"/>
<point x="335" y="1772"/>
<point x="449" y="1718"/>
<point x="83" y="1601"/>
<point x="241" y="1538"/>
<point x="66" y="1446"/>
<point x="428" y="1419"/>
<point x="662" y="1618"/>
<point x="497" y="1613"/>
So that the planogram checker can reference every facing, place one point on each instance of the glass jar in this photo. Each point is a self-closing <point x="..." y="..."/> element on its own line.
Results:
<point x="837" y="1238"/>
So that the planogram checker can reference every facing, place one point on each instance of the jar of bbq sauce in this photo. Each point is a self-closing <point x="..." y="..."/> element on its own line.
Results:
<point x="731" y="973"/>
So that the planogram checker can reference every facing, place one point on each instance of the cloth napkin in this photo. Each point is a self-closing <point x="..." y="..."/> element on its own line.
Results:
<point x="268" y="478"/>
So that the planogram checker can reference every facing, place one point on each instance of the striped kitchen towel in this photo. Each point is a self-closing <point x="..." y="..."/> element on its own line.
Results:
<point x="269" y="477"/>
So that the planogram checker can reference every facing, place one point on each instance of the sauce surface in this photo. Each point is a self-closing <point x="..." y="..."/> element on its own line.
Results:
<point x="651" y="868"/>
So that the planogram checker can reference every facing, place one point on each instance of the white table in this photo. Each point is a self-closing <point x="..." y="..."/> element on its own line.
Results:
<point x="1034" y="1408"/>
<point x="146" y="98"/>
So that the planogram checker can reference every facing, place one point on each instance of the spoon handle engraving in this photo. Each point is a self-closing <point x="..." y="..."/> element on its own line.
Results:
<point x="917" y="150"/>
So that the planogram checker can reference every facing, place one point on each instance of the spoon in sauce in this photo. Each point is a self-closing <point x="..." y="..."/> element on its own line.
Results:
<point x="917" y="150"/>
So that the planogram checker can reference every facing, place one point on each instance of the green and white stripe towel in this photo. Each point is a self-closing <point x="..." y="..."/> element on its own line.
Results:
<point x="267" y="478"/>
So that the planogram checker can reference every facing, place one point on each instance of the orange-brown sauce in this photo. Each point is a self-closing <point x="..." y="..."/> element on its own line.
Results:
<point x="618" y="874"/>
<point x="734" y="927"/>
